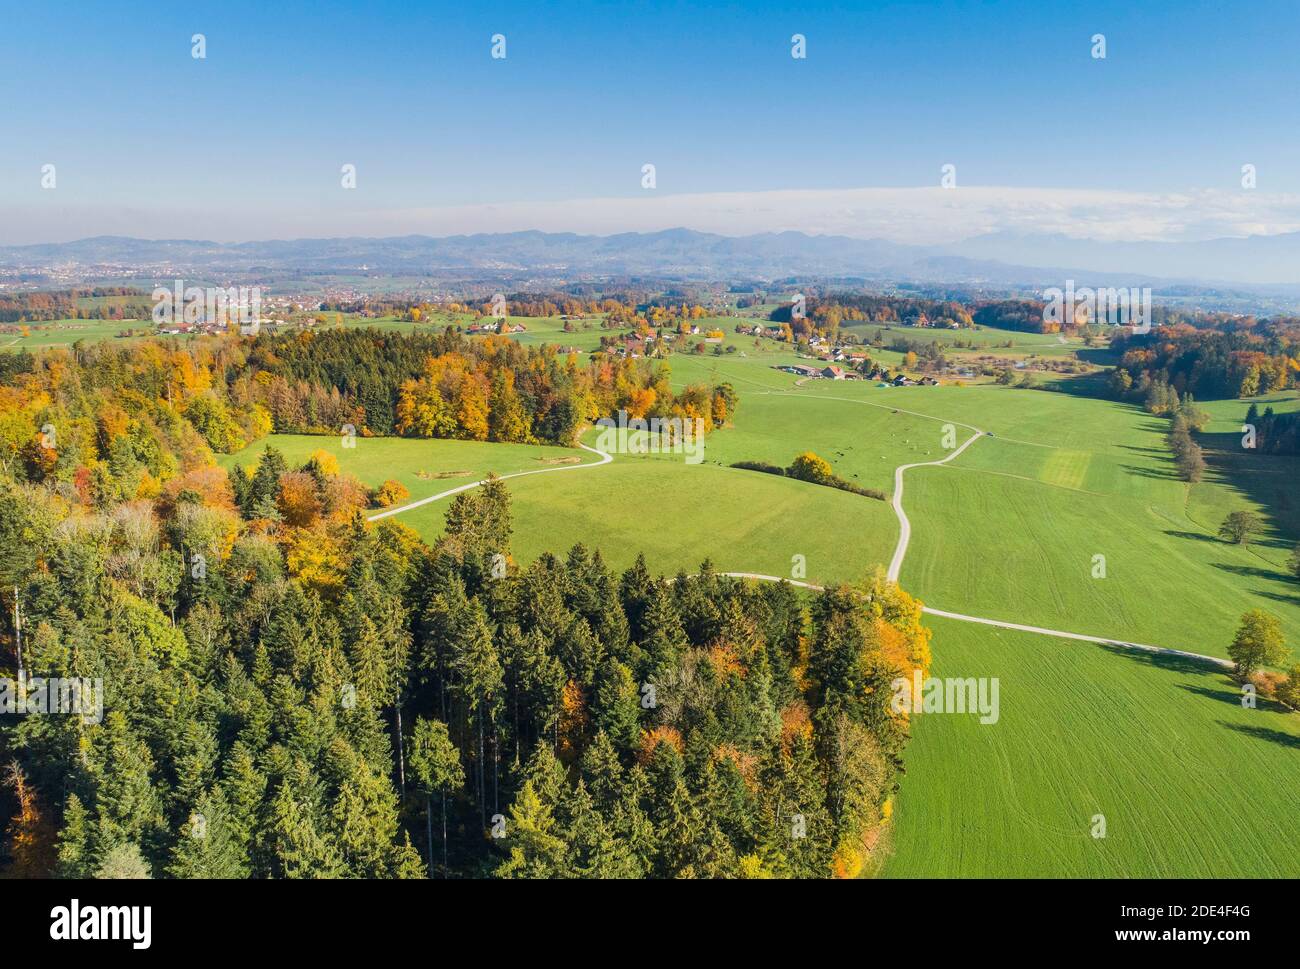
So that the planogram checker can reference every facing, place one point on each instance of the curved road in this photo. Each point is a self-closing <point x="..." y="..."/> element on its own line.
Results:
<point x="1018" y="627"/>
<point x="604" y="459"/>
<point x="905" y="526"/>
<point x="895" y="566"/>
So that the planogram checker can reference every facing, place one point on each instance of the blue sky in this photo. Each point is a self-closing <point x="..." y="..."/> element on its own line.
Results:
<point x="248" y="143"/>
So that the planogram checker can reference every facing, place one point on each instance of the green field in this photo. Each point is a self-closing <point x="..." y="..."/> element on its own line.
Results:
<point x="676" y="513"/>
<point x="984" y="338"/>
<point x="62" y="333"/>
<point x="423" y="467"/>
<point x="1011" y="528"/>
<point x="1190" y="783"/>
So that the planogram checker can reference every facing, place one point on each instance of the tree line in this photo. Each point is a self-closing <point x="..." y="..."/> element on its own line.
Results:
<point x="826" y="314"/>
<point x="1275" y="433"/>
<point x="112" y="422"/>
<point x="1212" y="365"/>
<point x="42" y="306"/>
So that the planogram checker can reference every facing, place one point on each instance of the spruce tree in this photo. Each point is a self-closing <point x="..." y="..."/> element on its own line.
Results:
<point x="436" y="769"/>
<point x="207" y="846"/>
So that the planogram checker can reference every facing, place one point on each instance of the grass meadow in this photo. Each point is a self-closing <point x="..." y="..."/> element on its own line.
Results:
<point x="1190" y="783"/>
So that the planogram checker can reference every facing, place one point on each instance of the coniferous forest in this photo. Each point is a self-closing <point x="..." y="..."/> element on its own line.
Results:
<point x="290" y="691"/>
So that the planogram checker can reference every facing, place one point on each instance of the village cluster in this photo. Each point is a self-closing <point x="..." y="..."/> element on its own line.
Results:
<point x="860" y="370"/>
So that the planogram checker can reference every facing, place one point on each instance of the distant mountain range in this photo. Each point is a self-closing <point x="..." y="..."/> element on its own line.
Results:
<point x="1259" y="264"/>
<point x="673" y="252"/>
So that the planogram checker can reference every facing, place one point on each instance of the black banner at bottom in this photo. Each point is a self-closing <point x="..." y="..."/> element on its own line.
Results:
<point x="145" y="919"/>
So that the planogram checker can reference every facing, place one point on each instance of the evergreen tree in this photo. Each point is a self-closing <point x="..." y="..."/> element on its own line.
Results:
<point x="76" y="846"/>
<point x="436" y="767"/>
<point x="207" y="847"/>
<point x="616" y="710"/>
<point x="264" y="488"/>
<point x="479" y="682"/>
<point x="301" y="844"/>
<point x="602" y="773"/>
<point x="536" y="848"/>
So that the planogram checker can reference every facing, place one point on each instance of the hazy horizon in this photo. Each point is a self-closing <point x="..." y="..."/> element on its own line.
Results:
<point x="251" y="139"/>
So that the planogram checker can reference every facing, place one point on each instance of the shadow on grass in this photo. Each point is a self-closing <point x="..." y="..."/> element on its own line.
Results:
<point x="1259" y="541"/>
<point x="1278" y="597"/>
<point x="1194" y="536"/>
<point x="1163" y="661"/>
<point x="1265" y="733"/>
<point x="1149" y="472"/>
<point x="1222" y="694"/>
<point x="1269" y="480"/>
<point x="1232" y="695"/>
<point x="1253" y="571"/>
<point x="1098" y="356"/>
<point x="1083" y="385"/>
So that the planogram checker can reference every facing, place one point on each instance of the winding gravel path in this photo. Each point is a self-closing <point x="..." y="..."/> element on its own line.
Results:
<point x="905" y="526"/>
<point x="1018" y="627"/>
<point x="895" y="565"/>
<point x="604" y="459"/>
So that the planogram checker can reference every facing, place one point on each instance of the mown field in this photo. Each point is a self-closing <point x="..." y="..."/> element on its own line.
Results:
<point x="62" y="333"/>
<point x="676" y="513"/>
<point x="1190" y="784"/>
<point x="1011" y="529"/>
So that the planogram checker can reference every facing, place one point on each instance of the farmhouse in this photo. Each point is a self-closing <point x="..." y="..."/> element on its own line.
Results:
<point x="832" y="372"/>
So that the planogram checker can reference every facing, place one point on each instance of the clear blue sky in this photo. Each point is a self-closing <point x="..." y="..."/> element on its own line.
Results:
<point x="589" y="92"/>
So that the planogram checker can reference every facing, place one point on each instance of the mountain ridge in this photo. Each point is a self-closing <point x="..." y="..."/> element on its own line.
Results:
<point x="995" y="260"/>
